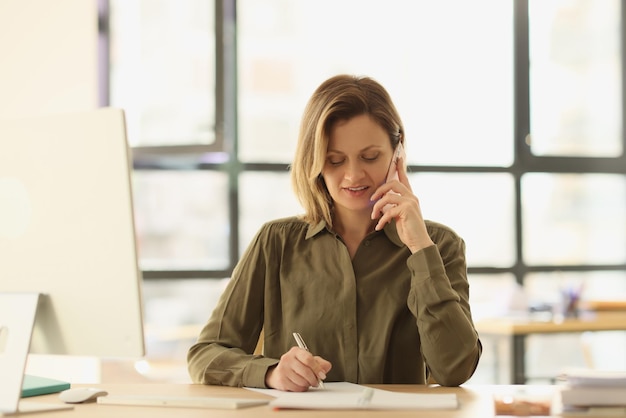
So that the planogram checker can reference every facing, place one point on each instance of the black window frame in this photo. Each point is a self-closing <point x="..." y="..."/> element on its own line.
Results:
<point x="226" y="142"/>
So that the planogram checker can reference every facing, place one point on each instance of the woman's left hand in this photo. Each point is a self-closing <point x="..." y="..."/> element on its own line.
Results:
<point x="404" y="207"/>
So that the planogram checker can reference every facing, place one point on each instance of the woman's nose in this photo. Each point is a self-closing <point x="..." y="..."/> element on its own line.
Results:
<point x="354" y="171"/>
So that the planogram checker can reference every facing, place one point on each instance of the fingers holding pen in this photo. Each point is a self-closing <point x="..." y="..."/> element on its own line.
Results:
<point x="312" y="368"/>
<point x="297" y="371"/>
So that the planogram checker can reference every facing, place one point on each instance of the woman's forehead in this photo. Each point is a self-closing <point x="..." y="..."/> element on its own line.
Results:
<point x="358" y="133"/>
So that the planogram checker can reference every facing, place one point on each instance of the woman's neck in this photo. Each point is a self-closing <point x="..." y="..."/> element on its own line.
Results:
<point x="354" y="225"/>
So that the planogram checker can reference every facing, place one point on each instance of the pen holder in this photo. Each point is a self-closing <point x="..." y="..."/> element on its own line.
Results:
<point x="570" y="303"/>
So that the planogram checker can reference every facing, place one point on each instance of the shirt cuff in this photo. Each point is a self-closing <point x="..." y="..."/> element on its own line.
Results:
<point x="254" y="375"/>
<point x="426" y="263"/>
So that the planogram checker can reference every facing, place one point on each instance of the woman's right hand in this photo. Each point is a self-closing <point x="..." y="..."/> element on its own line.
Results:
<point x="297" y="371"/>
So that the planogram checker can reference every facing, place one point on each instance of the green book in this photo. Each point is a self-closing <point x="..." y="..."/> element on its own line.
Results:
<point x="36" y="385"/>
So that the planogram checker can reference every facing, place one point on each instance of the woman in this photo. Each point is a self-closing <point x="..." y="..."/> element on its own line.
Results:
<point x="379" y="294"/>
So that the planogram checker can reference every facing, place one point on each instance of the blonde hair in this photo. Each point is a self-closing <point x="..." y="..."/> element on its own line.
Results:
<point x="339" y="98"/>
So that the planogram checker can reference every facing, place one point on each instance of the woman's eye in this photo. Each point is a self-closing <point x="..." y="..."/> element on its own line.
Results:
<point x="332" y="161"/>
<point x="370" y="157"/>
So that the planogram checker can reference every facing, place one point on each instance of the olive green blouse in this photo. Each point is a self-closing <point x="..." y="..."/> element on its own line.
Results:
<point x="386" y="316"/>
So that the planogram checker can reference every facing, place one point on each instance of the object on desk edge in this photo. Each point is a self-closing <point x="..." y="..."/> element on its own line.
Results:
<point x="36" y="385"/>
<point x="579" y="396"/>
<point x="208" y="402"/>
<point x="522" y="404"/>
<point x="81" y="395"/>
<point x="587" y="390"/>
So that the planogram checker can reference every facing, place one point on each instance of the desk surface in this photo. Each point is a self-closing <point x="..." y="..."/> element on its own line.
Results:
<point x="475" y="400"/>
<point x="523" y="325"/>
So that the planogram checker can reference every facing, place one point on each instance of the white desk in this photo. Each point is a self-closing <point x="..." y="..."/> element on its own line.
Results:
<point x="476" y="401"/>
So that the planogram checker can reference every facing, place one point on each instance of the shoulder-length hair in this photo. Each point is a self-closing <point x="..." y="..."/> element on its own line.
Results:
<point x="339" y="98"/>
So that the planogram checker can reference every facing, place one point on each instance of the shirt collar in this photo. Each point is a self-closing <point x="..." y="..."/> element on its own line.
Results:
<point x="316" y="229"/>
<point x="390" y="231"/>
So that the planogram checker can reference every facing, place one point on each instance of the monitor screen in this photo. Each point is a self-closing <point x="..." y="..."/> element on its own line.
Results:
<point x="67" y="231"/>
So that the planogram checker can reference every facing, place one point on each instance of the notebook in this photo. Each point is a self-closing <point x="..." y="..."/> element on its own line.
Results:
<point x="349" y="396"/>
<point x="36" y="385"/>
<point x="381" y="400"/>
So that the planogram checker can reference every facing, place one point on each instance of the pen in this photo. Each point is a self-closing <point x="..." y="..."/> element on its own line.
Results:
<point x="302" y="344"/>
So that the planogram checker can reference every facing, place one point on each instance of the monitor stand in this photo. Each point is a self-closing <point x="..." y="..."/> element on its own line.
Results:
<point x="17" y="319"/>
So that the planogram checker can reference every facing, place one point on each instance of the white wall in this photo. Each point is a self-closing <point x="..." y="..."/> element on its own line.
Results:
<point x="48" y="56"/>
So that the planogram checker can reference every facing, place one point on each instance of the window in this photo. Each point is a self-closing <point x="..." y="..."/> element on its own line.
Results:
<point x="162" y="70"/>
<point x="450" y="78"/>
<point x="513" y="112"/>
<point x="575" y="78"/>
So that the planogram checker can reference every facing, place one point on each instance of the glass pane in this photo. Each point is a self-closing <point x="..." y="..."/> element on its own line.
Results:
<point x="575" y="78"/>
<point x="601" y="350"/>
<point x="179" y="302"/>
<point x="163" y="70"/>
<point x="492" y="295"/>
<point x="447" y="65"/>
<point x="263" y="197"/>
<point x="479" y="207"/>
<point x="174" y="312"/>
<point x="574" y="218"/>
<point x="182" y="219"/>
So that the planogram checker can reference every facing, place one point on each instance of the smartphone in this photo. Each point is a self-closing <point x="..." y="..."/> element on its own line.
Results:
<point x="392" y="174"/>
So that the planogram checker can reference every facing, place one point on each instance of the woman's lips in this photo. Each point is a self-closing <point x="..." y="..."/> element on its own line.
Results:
<point x="356" y="191"/>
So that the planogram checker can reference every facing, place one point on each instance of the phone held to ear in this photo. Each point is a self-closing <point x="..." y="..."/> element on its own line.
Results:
<point x="392" y="174"/>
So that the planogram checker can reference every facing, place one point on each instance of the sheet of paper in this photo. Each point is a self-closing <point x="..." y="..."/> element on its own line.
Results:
<point x="344" y="395"/>
<point x="328" y="387"/>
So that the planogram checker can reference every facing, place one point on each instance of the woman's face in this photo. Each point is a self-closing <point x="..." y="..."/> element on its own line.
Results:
<point x="357" y="160"/>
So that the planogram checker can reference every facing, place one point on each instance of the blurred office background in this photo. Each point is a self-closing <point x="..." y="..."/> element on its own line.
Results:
<point x="514" y="122"/>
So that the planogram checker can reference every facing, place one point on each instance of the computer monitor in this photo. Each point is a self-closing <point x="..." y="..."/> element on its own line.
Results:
<point x="67" y="232"/>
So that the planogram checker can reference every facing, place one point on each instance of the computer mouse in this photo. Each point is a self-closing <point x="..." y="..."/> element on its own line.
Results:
<point x="80" y="395"/>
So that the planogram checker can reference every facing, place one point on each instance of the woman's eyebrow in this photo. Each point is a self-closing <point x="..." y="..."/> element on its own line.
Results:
<point x="371" y="147"/>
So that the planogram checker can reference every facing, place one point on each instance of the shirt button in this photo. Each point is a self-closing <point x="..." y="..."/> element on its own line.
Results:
<point x="367" y="243"/>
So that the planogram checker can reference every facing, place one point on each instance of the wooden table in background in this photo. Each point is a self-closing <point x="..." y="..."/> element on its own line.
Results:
<point x="517" y="328"/>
